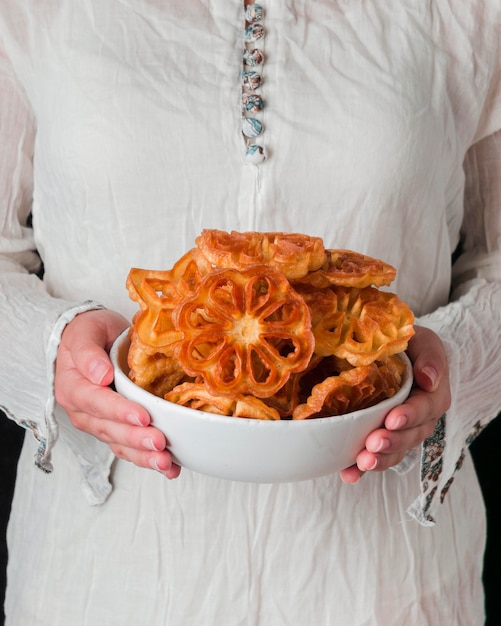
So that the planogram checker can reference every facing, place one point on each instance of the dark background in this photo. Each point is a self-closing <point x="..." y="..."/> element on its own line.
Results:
<point x="11" y="438"/>
<point x="485" y="453"/>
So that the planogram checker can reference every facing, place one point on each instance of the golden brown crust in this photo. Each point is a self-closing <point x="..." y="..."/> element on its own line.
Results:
<point x="351" y="390"/>
<point x="359" y="325"/>
<point x="293" y="254"/>
<point x="268" y="325"/>
<point x="244" y="332"/>
<point x="345" y="268"/>
<point x="197" y="396"/>
<point x="155" y="371"/>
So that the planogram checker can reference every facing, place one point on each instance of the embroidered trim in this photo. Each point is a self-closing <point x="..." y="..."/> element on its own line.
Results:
<point x="477" y="429"/>
<point x="252" y="80"/>
<point x="432" y="465"/>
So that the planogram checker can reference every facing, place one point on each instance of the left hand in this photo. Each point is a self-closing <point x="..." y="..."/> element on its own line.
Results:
<point x="408" y="425"/>
<point x="83" y="375"/>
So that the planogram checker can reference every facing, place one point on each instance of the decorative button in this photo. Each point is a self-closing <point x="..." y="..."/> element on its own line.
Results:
<point x="254" y="32"/>
<point x="251" y="127"/>
<point x="253" y="57"/>
<point x="251" y="80"/>
<point x="254" y="13"/>
<point x="252" y="103"/>
<point x="255" y="154"/>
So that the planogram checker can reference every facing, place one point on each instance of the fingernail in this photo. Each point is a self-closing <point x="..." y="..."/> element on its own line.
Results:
<point x="153" y="464"/>
<point x="373" y="466"/>
<point x="134" y="419"/>
<point x="384" y="444"/>
<point x="149" y="444"/>
<point x="431" y="374"/>
<point x="397" y="422"/>
<point x="98" y="370"/>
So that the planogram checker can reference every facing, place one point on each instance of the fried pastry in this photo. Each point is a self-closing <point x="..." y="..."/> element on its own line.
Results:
<point x="268" y="325"/>
<point x="351" y="390"/>
<point x="159" y="292"/>
<point x="197" y="396"/>
<point x="346" y="268"/>
<point x="359" y="325"/>
<point x="156" y="371"/>
<point x="293" y="254"/>
<point x="244" y="332"/>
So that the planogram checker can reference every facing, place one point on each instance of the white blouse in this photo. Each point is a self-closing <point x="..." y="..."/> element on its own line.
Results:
<point x="121" y="133"/>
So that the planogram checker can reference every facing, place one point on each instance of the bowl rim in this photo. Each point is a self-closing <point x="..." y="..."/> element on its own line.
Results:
<point x="402" y="393"/>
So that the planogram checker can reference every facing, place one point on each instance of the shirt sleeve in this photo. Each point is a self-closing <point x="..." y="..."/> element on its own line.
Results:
<point x="31" y="320"/>
<point x="469" y="327"/>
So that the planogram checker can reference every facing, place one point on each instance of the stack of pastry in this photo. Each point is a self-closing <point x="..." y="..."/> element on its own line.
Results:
<point x="269" y="326"/>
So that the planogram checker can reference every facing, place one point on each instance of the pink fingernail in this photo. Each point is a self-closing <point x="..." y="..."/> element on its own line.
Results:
<point x="398" y="422"/>
<point x="384" y="444"/>
<point x="98" y="370"/>
<point x="431" y="374"/>
<point x="153" y="464"/>
<point x="149" y="444"/>
<point x="134" y="419"/>
<point x="374" y="465"/>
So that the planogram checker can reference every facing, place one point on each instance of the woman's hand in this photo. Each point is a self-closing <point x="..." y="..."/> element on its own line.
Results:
<point x="83" y="375"/>
<point x="409" y="424"/>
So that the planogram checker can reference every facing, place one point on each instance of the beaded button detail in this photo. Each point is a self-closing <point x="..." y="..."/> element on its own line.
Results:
<point x="252" y="80"/>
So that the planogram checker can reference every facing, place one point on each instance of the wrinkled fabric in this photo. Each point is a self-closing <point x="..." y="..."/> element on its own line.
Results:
<point x="120" y="128"/>
<point x="198" y="550"/>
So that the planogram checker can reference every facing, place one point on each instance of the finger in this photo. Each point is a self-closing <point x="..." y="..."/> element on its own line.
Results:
<point x="369" y="462"/>
<point x="429" y="359"/>
<point x="85" y="398"/>
<point x="87" y="341"/>
<point x="159" y="461"/>
<point x="121" y="433"/>
<point x="92" y="361"/>
<point x="143" y="445"/>
<point x="421" y="407"/>
<point x="351" y="475"/>
<point x="385" y="448"/>
<point x="384" y="441"/>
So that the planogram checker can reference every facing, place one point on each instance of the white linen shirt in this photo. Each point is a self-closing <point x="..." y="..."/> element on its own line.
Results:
<point x="120" y="132"/>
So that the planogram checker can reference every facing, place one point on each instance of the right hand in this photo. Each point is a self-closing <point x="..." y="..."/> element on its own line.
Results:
<point x="408" y="425"/>
<point x="83" y="375"/>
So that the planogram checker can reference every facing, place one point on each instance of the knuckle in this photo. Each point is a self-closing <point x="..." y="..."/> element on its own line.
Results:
<point x="101" y="432"/>
<point x="78" y="421"/>
<point x="385" y="461"/>
<point x="93" y="408"/>
<point x="120" y="452"/>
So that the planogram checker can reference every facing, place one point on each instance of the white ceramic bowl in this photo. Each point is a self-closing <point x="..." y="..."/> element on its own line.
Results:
<point x="251" y="450"/>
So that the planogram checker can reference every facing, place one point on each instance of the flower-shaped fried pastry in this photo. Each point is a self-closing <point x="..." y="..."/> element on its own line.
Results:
<point x="152" y="360"/>
<point x="197" y="396"/>
<point x="353" y="389"/>
<point x="244" y="332"/>
<point x="159" y="292"/>
<point x="293" y="254"/>
<point x="269" y="325"/>
<point x="346" y="268"/>
<point x="359" y="325"/>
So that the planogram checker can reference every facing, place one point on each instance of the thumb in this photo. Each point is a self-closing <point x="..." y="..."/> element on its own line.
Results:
<point x="429" y="359"/>
<point x="88" y="338"/>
